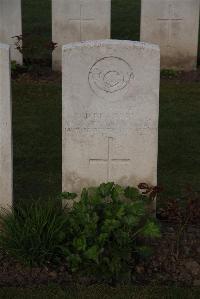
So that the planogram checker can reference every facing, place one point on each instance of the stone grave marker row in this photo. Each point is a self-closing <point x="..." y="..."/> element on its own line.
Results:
<point x="11" y="25"/>
<point x="5" y="129"/>
<point x="172" y="24"/>
<point x="78" y="20"/>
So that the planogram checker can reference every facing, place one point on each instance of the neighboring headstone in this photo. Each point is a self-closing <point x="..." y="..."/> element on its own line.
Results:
<point x="110" y="113"/>
<point x="11" y="25"/>
<point x="172" y="24"/>
<point x="5" y="129"/>
<point x="78" y="20"/>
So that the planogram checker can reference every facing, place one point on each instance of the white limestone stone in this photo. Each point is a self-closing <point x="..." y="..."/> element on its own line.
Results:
<point x="110" y="113"/>
<point x="5" y="129"/>
<point x="78" y="20"/>
<point x="11" y="25"/>
<point x="172" y="24"/>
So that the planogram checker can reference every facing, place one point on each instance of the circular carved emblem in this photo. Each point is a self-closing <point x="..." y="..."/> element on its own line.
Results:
<point x="110" y="76"/>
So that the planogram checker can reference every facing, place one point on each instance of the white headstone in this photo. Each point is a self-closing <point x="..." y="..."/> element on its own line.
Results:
<point x="172" y="24"/>
<point x="110" y="113"/>
<point x="5" y="129"/>
<point x="11" y="25"/>
<point x="78" y="20"/>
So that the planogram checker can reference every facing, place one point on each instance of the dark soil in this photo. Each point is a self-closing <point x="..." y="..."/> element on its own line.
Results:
<point x="181" y="76"/>
<point x="193" y="76"/>
<point x="176" y="258"/>
<point x="41" y="75"/>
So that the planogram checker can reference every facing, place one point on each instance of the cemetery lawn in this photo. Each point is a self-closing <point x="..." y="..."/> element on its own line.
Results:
<point x="100" y="292"/>
<point x="37" y="137"/>
<point x="179" y="137"/>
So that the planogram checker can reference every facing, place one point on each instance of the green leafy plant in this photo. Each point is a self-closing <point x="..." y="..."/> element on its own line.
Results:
<point x="169" y="74"/>
<point x="33" y="232"/>
<point x="107" y="231"/>
<point x="104" y="233"/>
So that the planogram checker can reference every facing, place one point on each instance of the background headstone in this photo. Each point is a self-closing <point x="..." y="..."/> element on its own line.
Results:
<point x="172" y="24"/>
<point x="5" y="129"/>
<point x="78" y="20"/>
<point x="110" y="113"/>
<point x="11" y="25"/>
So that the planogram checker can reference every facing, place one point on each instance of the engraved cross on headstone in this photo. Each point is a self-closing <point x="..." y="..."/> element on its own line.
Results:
<point x="108" y="161"/>
<point x="81" y="19"/>
<point x="170" y="20"/>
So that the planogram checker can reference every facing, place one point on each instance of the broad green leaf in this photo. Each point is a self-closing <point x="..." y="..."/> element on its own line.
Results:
<point x="92" y="253"/>
<point x="120" y="212"/>
<point x="116" y="192"/>
<point x="131" y="220"/>
<point x="80" y="243"/>
<point x="131" y="193"/>
<point x="84" y="194"/>
<point x="151" y="230"/>
<point x="103" y="237"/>
<point x="105" y="189"/>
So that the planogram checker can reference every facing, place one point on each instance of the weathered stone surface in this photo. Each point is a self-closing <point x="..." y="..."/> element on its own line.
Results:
<point x="110" y="113"/>
<point x="11" y="25"/>
<point x="172" y="24"/>
<point x="5" y="129"/>
<point x="78" y="20"/>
